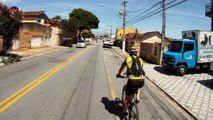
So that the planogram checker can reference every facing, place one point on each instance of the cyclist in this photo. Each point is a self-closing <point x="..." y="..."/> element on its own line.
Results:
<point x="133" y="81"/>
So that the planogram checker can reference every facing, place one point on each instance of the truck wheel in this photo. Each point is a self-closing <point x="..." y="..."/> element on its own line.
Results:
<point x="181" y="70"/>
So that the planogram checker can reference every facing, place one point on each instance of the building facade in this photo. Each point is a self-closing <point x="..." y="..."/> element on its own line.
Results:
<point x="209" y="12"/>
<point x="150" y="46"/>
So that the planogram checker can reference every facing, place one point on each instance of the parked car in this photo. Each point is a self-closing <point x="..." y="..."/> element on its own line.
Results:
<point x="107" y="44"/>
<point x="81" y="44"/>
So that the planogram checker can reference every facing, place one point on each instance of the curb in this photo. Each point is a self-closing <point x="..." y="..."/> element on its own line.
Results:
<point x="183" y="107"/>
<point x="35" y="55"/>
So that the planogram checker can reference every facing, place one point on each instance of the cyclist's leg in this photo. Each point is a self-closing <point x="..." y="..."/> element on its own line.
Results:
<point x="138" y="95"/>
<point x="128" y="96"/>
<point x="125" y="104"/>
<point x="139" y="84"/>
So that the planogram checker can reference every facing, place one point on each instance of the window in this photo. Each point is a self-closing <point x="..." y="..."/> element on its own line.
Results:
<point x="176" y="46"/>
<point x="188" y="47"/>
<point x="155" y="51"/>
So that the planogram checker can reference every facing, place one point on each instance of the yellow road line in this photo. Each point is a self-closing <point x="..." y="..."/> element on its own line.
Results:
<point x="112" y="90"/>
<point x="23" y="91"/>
<point x="110" y="82"/>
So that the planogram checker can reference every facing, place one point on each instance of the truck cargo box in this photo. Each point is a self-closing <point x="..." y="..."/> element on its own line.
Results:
<point x="204" y="44"/>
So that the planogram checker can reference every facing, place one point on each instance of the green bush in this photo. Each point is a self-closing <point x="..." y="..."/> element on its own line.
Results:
<point x="11" y="59"/>
<point x="68" y="43"/>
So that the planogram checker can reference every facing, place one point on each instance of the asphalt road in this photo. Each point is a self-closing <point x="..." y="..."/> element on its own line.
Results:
<point x="75" y="84"/>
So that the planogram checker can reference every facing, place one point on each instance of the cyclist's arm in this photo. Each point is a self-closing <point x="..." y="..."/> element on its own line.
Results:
<point x="123" y="65"/>
<point x="141" y="61"/>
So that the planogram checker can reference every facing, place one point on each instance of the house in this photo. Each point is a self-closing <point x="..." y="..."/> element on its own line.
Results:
<point x="129" y="33"/>
<point x="36" y="17"/>
<point x="150" y="46"/>
<point x="132" y="40"/>
<point x="33" y="35"/>
<point x="37" y="31"/>
<point x="119" y="32"/>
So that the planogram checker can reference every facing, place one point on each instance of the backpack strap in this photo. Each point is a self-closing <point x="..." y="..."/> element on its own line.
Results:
<point x="137" y="59"/>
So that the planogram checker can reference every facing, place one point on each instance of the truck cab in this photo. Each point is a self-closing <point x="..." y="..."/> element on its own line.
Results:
<point x="180" y="56"/>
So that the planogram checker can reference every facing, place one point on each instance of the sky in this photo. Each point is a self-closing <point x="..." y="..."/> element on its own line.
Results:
<point x="189" y="15"/>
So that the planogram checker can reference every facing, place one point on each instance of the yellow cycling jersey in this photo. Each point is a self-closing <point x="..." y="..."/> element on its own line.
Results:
<point x="128" y="62"/>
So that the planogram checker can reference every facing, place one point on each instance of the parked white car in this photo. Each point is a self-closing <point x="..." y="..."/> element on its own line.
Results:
<point x="107" y="43"/>
<point x="81" y="44"/>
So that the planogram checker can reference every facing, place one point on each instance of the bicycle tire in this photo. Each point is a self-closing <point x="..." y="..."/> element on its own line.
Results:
<point x="134" y="112"/>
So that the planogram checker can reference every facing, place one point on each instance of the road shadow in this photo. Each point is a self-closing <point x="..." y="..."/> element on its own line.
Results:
<point x="208" y="83"/>
<point x="163" y="70"/>
<point x="113" y="106"/>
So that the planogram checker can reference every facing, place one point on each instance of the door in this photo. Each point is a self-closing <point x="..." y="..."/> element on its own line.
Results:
<point x="189" y="54"/>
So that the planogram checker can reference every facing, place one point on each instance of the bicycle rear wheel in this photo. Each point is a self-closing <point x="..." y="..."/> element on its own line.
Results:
<point x="134" y="112"/>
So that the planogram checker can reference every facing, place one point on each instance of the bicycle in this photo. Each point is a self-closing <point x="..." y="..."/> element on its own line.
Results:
<point x="133" y="109"/>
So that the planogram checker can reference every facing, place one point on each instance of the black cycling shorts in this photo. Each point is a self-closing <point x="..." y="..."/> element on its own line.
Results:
<point x="133" y="84"/>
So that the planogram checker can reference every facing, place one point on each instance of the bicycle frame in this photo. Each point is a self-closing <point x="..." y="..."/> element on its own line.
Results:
<point x="133" y="115"/>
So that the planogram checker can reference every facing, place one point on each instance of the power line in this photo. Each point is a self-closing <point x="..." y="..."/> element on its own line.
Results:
<point x="153" y="6"/>
<point x="155" y="12"/>
<point x="138" y="10"/>
<point x="150" y="13"/>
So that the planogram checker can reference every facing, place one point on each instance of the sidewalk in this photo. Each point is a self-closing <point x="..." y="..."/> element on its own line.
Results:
<point x="26" y="54"/>
<point x="194" y="91"/>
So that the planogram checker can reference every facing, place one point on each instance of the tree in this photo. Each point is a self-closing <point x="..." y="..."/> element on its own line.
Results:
<point x="69" y="27"/>
<point x="10" y="23"/>
<point x="57" y="17"/>
<point x="87" y="34"/>
<point x="86" y="19"/>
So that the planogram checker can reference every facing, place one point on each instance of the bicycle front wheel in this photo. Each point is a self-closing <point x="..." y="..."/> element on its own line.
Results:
<point x="134" y="112"/>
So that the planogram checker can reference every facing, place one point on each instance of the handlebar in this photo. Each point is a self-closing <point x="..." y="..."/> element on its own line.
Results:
<point x="119" y="76"/>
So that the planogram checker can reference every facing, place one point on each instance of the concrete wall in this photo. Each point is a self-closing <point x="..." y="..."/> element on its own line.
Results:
<point x="15" y="45"/>
<point x="40" y="42"/>
<point x="55" y="37"/>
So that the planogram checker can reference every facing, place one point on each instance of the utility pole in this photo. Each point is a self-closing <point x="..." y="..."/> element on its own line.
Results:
<point x="124" y="24"/>
<point x="163" y="29"/>
<point x="110" y="30"/>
